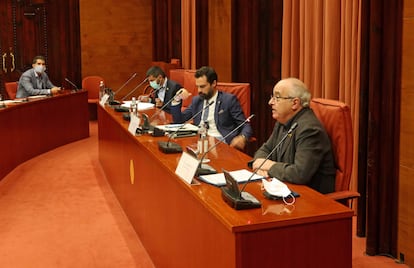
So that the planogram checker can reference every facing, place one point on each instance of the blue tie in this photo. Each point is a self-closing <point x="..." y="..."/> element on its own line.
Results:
<point x="205" y="114"/>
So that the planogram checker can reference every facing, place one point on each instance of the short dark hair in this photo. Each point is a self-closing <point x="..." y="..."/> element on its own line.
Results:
<point x="38" y="57"/>
<point x="155" y="71"/>
<point x="209" y="72"/>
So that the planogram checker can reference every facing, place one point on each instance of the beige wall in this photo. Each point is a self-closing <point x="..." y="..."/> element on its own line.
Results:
<point x="406" y="184"/>
<point x="116" y="40"/>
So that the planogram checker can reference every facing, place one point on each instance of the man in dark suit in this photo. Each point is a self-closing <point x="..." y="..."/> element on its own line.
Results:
<point x="35" y="81"/>
<point x="163" y="88"/>
<point x="223" y="116"/>
<point x="305" y="156"/>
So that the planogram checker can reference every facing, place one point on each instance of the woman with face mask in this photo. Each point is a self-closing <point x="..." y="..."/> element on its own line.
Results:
<point x="35" y="81"/>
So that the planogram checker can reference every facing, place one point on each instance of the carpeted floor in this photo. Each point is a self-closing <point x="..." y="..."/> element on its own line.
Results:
<point x="57" y="210"/>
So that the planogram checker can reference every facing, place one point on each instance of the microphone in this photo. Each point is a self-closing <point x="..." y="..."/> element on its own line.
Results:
<point x="169" y="147"/>
<point x="73" y="84"/>
<point x="114" y="102"/>
<point x="204" y="169"/>
<point x="147" y="121"/>
<point x="133" y="90"/>
<point x="239" y="200"/>
<point x="119" y="108"/>
<point x="165" y="104"/>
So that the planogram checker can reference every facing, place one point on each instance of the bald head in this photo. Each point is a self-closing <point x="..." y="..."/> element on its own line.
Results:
<point x="290" y="95"/>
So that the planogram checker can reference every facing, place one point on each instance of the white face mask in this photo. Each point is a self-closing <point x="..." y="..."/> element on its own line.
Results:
<point x="39" y="69"/>
<point x="276" y="187"/>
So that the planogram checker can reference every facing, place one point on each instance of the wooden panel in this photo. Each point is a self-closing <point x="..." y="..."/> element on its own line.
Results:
<point x="220" y="39"/>
<point x="408" y="8"/>
<point x="184" y="225"/>
<point x="406" y="215"/>
<point x="406" y="168"/>
<point x="32" y="128"/>
<point x="116" y="40"/>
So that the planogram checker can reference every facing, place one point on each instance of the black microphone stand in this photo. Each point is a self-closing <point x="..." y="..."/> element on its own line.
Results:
<point x="112" y="100"/>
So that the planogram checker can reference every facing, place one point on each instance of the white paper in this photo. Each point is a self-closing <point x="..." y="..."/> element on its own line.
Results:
<point x="240" y="176"/>
<point x="181" y="127"/>
<point x="133" y="124"/>
<point x="141" y="105"/>
<point x="104" y="99"/>
<point x="187" y="167"/>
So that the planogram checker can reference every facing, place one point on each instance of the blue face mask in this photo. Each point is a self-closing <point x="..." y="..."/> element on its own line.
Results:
<point x="154" y="85"/>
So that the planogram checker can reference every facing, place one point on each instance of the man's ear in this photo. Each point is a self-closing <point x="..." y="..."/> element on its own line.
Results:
<point x="296" y="104"/>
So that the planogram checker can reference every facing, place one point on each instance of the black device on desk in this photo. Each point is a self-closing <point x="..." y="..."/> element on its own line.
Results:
<point x="234" y="197"/>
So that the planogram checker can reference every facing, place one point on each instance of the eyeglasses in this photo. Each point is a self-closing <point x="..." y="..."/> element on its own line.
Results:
<point x="278" y="98"/>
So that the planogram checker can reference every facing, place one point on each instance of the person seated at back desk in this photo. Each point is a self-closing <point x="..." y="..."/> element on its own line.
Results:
<point x="35" y="81"/>
<point x="164" y="88"/>
<point x="305" y="156"/>
<point x="223" y="116"/>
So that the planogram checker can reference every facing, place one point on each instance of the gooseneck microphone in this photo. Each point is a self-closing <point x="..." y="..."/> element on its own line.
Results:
<point x="135" y="88"/>
<point x="165" y="104"/>
<point x="245" y="200"/>
<point x="115" y="102"/>
<point x="294" y="125"/>
<point x="147" y="120"/>
<point x="169" y="147"/>
<point x="204" y="169"/>
<point x="72" y="84"/>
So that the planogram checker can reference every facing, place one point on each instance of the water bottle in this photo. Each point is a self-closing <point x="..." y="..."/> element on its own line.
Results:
<point x="101" y="89"/>
<point x="202" y="144"/>
<point x="133" y="107"/>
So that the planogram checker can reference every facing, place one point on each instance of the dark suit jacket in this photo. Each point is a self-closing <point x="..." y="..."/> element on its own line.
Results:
<point x="227" y="115"/>
<point x="305" y="156"/>
<point x="171" y="89"/>
<point x="28" y="85"/>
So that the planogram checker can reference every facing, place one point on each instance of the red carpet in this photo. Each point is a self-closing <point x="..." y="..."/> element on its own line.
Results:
<point x="57" y="210"/>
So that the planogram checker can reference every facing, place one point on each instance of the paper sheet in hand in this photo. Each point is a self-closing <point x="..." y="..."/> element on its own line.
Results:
<point x="141" y="105"/>
<point x="240" y="176"/>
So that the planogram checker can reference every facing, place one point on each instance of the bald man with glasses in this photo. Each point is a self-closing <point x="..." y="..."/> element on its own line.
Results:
<point x="305" y="156"/>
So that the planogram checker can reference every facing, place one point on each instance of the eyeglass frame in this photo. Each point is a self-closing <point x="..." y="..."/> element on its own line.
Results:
<point x="278" y="98"/>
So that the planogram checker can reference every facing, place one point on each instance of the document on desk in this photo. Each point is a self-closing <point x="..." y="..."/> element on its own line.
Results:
<point x="141" y="105"/>
<point x="240" y="176"/>
<point x="179" y="127"/>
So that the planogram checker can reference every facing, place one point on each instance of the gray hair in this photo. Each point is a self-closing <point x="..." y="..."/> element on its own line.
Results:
<point x="299" y="90"/>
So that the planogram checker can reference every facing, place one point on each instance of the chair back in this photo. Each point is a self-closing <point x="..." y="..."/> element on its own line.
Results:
<point x="335" y="116"/>
<point x="11" y="89"/>
<point x="186" y="78"/>
<point x="91" y="84"/>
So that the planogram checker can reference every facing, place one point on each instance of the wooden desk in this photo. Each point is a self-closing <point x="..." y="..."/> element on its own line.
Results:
<point x="185" y="225"/>
<point x="32" y="128"/>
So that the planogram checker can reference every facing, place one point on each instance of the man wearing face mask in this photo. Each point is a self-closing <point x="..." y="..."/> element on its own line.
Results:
<point x="163" y="88"/>
<point x="223" y="116"/>
<point x="35" y="81"/>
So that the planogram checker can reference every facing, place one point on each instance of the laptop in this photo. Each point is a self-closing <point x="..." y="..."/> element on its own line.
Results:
<point x="236" y="199"/>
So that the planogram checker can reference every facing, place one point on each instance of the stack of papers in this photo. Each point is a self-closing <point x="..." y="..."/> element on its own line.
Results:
<point x="141" y="105"/>
<point x="240" y="176"/>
